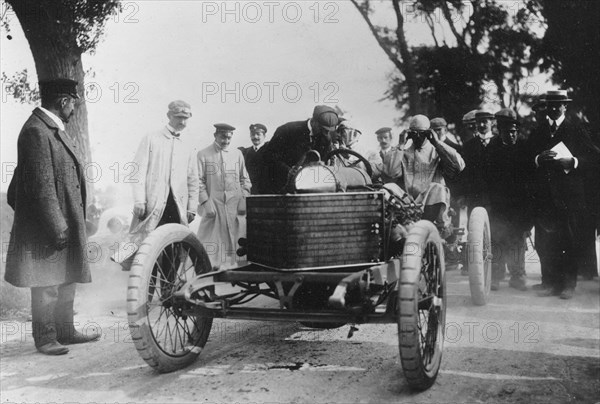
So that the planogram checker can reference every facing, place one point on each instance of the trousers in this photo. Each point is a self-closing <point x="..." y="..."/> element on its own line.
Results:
<point x="52" y="312"/>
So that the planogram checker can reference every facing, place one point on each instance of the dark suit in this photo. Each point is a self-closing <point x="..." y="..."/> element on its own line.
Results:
<point x="474" y="179"/>
<point x="510" y="215"/>
<point x="254" y="164"/>
<point x="47" y="193"/>
<point x="287" y="147"/>
<point x="560" y="201"/>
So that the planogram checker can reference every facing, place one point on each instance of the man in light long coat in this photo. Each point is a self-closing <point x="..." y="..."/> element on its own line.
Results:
<point x="165" y="187"/>
<point x="224" y="186"/>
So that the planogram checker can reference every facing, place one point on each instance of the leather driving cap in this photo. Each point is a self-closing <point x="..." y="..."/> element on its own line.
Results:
<point x="326" y="117"/>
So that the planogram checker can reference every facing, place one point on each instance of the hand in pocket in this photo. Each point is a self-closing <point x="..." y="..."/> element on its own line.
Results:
<point x="209" y="209"/>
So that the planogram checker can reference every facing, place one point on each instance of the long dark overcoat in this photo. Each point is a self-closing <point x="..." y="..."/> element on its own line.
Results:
<point x="47" y="193"/>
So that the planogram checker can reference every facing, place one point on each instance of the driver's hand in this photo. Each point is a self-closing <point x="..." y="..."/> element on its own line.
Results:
<point x="293" y="172"/>
<point x="433" y="137"/>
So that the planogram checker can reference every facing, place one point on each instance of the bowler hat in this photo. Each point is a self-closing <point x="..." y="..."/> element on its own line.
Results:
<point x="506" y="115"/>
<point x="57" y="87"/>
<point x="557" y="96"/>
<point x="326" y="117"/>
<point x="180" y="108"/>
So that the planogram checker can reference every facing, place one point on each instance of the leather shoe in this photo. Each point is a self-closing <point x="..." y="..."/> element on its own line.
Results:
<point x="518" y="283"/>
<point x="567" y="293"/>
<point x="548" y="292"/>
<point x="80" y="338"/>
<point x="53" y="348"/>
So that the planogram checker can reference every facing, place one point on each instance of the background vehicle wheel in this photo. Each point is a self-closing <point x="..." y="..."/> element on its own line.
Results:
<point x="422" y="305"/>
<point x="164" y="336"/>
<point x="479" y="256"/>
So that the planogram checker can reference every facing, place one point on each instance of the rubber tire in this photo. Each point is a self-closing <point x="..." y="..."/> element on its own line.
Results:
<point x="137" y="298"/>
<point x="419" y="376"/>
<point x="478" y="265"/>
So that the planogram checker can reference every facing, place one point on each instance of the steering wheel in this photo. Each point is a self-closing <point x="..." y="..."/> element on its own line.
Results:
<point x="344" y="153"/>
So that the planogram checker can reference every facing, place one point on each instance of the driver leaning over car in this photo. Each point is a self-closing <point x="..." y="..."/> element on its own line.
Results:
<point x="287" y="149"/>
<point x="421" y="168"/>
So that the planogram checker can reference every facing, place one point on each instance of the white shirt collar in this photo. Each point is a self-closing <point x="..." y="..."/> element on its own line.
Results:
<point x="559" y="121"/>
<point x="172" y="130"/>
<point x="54" y="118"/>
<point x="219" y="149"/>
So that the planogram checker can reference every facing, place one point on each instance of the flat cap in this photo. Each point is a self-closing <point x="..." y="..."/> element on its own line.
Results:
<point x="483" y="114"/>
<point x="56" y="87"/>
<point x="506" y="115"/>
<point x="180" y="108"/>
<point x="223" y="127"/>
<point x="257" y="126"/>
<point x="419" y="122"/>
<point x="469" y="117"/>
<point x="383" y="130"/>
<point x="326" y="116"/>
<point x="438" y="123"/>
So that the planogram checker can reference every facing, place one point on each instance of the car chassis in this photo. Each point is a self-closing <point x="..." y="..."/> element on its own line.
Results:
<point x="328" y="257"/>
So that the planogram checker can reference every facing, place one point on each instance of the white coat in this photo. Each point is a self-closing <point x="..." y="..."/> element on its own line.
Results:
<point x="162" y="163"/>
<point x="224" y="184"/>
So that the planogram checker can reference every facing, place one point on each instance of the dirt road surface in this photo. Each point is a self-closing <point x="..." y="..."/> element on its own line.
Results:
<point x="519" y="348"/>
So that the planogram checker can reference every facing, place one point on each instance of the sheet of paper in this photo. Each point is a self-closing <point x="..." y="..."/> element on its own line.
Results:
<point x="561" y="151"/>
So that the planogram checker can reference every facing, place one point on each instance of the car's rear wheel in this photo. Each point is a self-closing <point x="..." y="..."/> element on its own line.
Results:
<point x="421" y="305"/>
<point x="165" y="337"/>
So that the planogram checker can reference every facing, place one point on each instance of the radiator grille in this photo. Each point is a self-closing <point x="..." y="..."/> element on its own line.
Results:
<point x="314" y="230"/>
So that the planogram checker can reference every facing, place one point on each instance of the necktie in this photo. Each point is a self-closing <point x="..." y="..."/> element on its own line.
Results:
<point x="553" y="127"/>
<point x="175" y="134"/>
<point x="255" y="148"/>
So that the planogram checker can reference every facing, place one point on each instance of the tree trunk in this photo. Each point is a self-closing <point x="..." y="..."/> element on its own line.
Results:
<point x="56" y="55"/>
<point x="408" y="63"/>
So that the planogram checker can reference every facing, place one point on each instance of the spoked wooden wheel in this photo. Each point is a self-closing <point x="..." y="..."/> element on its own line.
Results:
<point x="422" y="305"/>
<point x="479" y="256"/>
<point x="165" y="337"/>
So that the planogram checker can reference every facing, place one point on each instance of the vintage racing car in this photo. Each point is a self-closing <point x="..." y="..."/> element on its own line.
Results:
<point x="335" y="249"/>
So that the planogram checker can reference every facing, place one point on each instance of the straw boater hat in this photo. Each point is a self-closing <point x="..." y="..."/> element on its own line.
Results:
<point x="556" y="96"/>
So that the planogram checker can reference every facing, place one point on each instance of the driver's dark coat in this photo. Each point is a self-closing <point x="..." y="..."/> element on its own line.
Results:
<point x="47" y="193"/>
<point x="287" y="147"/>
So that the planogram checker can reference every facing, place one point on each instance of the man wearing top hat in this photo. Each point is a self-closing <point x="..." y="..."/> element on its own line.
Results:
<point x="47" y="248"/>
<point x="565" y="159"/>
<point x="165" y="185"/>
<point x="287" y="149"/>
<point x="251" y="154"/>
<point x="224" y="186"/>
<point x="510" y="213"/>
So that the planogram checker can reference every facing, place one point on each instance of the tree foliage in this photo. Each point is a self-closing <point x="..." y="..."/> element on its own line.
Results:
<point x="58" y="33"/>
<point x="490" y="50"/>
<point x="571" y="47"/>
